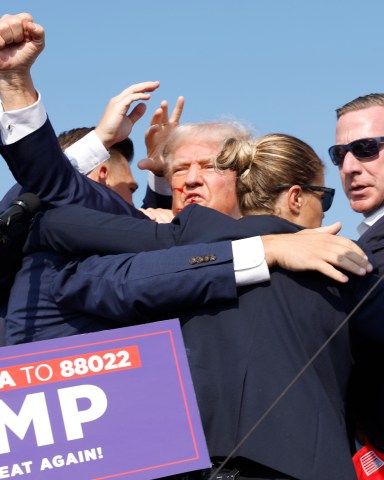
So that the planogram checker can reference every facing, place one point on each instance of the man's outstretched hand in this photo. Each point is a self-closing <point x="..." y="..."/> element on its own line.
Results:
<point x="317" y="249"/>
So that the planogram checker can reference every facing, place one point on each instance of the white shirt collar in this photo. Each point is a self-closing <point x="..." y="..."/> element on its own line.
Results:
<point x="371" y="220"/>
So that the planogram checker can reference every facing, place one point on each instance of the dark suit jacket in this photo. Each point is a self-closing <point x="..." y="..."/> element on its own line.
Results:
<point x="110" y="292"/>
<point x="367" y="387"/>
<point x="243" y="355"/>
<point x="373" y="239"/>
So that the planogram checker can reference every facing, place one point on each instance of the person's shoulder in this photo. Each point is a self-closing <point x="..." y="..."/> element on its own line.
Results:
<point x="271" y="224"/>
<point x="203" y="212"/>
<point x="375" y="233"/>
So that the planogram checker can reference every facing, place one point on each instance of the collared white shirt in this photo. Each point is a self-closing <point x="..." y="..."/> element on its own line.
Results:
<point x="369" y="221"/>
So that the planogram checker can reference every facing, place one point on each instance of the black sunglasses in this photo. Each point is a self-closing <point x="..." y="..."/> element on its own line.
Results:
<point x="326" y="199"/>
<point x="363" y="148"/>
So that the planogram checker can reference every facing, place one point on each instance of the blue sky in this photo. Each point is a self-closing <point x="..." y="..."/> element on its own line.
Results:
<point x="279" y="66"/>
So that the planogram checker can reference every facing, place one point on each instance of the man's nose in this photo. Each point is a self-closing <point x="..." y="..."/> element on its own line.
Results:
<point x="351" y="164"/>
<point x="193" y="176"/>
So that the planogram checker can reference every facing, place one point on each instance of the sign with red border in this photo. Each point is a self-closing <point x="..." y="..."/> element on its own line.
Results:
<point x="112" y="404"/>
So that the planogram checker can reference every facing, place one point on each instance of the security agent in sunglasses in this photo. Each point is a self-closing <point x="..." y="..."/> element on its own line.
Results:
<point x="359" y="155"/>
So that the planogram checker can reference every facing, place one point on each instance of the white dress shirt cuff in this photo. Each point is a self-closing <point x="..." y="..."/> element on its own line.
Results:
<point x="16" y="124"/>
<point x="159" y="184"/>
<point x="87" y="153"/>
<point x="249" y="261"/>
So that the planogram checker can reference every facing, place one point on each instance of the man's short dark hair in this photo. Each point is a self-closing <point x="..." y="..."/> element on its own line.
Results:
<point x="67" y="138"/>
<point x="359" y="103"/>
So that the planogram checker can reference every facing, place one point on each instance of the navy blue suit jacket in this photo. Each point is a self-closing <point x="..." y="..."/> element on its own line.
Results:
<point x="373" y="239"/>
<point x="367" y="387"/>
<point x="52" y="297"/>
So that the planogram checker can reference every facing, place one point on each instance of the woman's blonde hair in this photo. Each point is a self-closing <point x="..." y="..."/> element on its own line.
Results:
<point x="266" y="163"/>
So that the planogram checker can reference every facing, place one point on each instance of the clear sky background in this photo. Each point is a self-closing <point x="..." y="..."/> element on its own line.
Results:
<point x="278" y="65"/>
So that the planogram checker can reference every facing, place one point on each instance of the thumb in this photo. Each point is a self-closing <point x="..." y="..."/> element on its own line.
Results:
<point x="151" y="165"/>
<point x="145" y="164"/>
<point x="333" y="229"/>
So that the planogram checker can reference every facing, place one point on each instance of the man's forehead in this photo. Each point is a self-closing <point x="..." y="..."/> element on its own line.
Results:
<point x="196" y="151"/>
<point x="367" y="122"/>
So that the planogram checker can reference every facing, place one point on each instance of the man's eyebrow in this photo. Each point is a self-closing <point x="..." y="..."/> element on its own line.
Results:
<point x="209" y="159"/>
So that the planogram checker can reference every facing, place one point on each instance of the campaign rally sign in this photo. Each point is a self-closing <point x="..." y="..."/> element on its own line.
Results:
<point x="112" y="404"/>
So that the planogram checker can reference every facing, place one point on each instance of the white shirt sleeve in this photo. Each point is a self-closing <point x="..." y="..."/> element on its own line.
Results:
<point x="159" y="184"/>
<point x="87" y="153"/>
<point x="249" y="261"/>
<point x="17" y="124"/>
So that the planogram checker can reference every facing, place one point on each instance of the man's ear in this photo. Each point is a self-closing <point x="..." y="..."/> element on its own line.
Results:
<point x="295" y="199"/>
<point x="102" y="174"/>
<point x="99" y="174"/>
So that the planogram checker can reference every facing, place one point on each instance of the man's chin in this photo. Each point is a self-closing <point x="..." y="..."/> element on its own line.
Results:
<point x="365" y="207"/>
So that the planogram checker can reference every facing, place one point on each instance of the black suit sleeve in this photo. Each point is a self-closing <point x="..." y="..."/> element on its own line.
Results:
<point x="148" y="285"/>
<point x="74" y="230"/>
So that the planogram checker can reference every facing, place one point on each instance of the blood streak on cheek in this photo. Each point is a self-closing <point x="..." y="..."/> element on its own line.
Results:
<point x="181" y="190"/>
<point x="178" y="189"/>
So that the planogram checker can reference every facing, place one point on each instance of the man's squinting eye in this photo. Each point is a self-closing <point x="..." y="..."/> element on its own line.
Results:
<point x="180" y="169"/>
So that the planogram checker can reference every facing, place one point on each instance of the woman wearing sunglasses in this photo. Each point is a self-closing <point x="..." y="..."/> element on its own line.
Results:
<point x="279" y="175"/>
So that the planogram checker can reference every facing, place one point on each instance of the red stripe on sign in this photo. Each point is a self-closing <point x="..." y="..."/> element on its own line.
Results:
<point x="69" y="368"/>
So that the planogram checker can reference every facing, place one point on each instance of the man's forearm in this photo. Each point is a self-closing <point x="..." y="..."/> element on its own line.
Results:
<point x="17" y="91"/>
